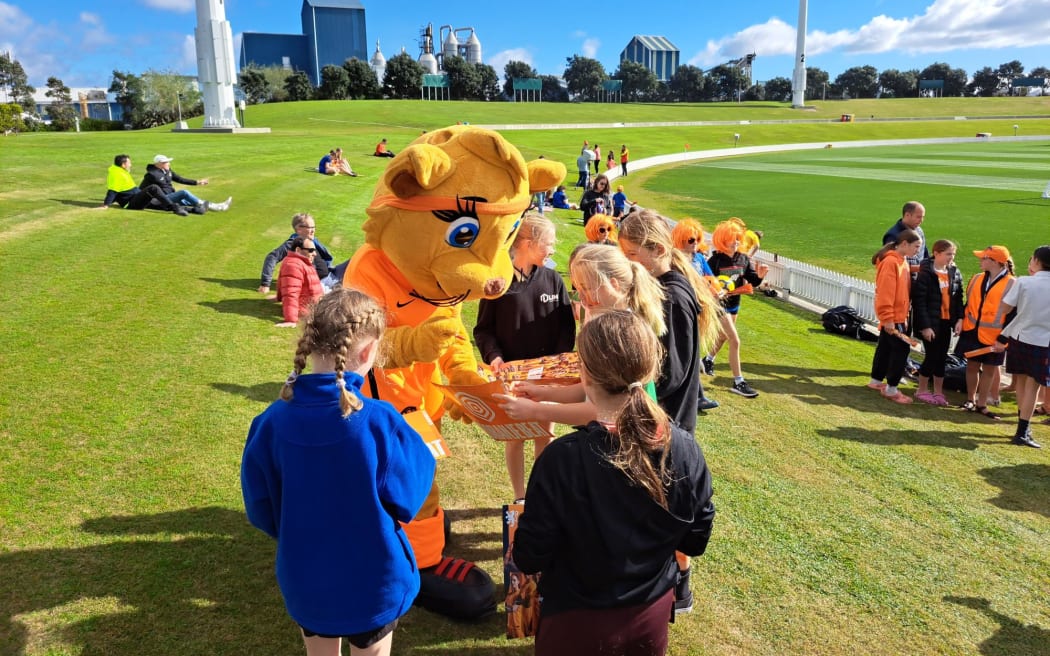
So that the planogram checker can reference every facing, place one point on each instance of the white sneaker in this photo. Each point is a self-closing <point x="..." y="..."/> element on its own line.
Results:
<point x="220" y="207"/>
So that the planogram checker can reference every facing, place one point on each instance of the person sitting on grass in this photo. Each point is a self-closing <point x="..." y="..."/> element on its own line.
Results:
<point x="298" y="287"/>
<point x="304" y="226"/>
<point x="335" y="164"/>
<point x="160" y="174"/>
<point x="561" y="201"/>
<point x="122" y="191"/>
<point x="381" y="150"/>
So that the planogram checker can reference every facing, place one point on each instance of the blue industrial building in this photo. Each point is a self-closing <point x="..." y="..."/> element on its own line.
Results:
<point x="655" y="53"/>
<point x="333" y="31"/>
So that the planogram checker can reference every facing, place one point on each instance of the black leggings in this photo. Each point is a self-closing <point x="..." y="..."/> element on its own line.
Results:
<point x="891" y="354"/>
<point x="936" y="350"/>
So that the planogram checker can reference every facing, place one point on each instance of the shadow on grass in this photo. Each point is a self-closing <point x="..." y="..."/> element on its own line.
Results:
<point x="192" y="581"/>
<point x="262" y="392"/>
<point x="476" y="544"/>
<point x="897" y="437"/>
<point x="1035" y="201"/>
<point x="249" y="307"/>
<point x="235" y="283"/>
<point x="76" y="203"/>
<point x="1021" y="487"/>
<point x="1013" y="636"/>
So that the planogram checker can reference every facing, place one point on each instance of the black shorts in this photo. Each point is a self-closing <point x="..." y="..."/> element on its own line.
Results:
<point x="968" y="342"/>
<point x="1029" y="360"/>
<point x="359" y="640"/>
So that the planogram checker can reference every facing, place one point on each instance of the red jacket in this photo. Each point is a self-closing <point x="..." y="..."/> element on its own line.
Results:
<point x="298" y="286"/>
<point x="892" y="289"/>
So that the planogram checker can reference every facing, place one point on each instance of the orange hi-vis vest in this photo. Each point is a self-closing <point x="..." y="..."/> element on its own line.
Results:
<point x="984" y="309"/>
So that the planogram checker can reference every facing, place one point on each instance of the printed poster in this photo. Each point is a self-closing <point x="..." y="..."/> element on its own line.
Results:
<point x="479" y="402"/>
<point x="523" y="597"/>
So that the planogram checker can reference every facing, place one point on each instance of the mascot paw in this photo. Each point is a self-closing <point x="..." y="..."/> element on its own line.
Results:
<point x="435" y="336"/>
<point x="458" y="589"/>
<point x="456" y="413"/>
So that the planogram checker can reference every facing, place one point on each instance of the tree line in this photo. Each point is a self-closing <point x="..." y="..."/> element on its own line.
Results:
<point x="156" y="97"/>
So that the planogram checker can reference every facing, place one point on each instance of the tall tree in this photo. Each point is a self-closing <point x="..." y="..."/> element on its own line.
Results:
<point x="361" y="80"/>
<point x="129" y="92"/>
<point x="165" y="94"/>
<point x="489" y="88"/>
<point x="403" y="78"/>
<point x="687" y="84"/>
<point x="335" y="84"/>
<point x="985" y="82"/>
<point x="816" y="83"/>
<point x="254" y="84"/>
<point x="639" y="82"/>
<point x="514" y="69"/>
<point x="898" y="84"/>
<point x="728" y="82"/>
<point x="584" y="76"/>
<point x="62" y="112"/>
<point x="859" y="82"/>
<point x="13" y="79"/>
<point x="553" y="89"/>
<point x="955" y="79"/>
<point x="464" y="82"/>
<point x="755" y="92"/>
<point x="298" y="87"/>
<point x="778" y="89"/>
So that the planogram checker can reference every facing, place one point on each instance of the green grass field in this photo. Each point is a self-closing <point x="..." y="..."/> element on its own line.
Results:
<point x="135" y="351"/>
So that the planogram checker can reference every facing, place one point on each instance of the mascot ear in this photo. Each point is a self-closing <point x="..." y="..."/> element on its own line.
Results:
<point x="416" y="169"/>
<point x="544" y="174"/>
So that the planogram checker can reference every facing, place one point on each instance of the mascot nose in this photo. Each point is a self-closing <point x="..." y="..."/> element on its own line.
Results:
<point x="494" y="286"/>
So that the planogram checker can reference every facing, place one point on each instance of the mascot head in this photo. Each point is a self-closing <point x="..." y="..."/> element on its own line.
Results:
<point x="447" y="208"/>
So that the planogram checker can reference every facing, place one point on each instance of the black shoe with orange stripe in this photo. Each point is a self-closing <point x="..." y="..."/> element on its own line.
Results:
<point x="458" y="589"/>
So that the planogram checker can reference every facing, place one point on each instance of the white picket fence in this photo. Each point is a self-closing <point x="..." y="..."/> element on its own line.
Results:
<point x="818" y="286"/>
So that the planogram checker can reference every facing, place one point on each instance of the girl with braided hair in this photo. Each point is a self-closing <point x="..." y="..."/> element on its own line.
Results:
<point x="610" y="503"/>
<point x="330" y="474"/>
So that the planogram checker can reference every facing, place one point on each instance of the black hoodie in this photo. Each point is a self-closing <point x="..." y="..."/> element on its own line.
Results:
<point x="600" y="541"/>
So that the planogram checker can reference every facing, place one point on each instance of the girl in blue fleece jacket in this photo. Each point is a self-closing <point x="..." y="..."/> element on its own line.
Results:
<point x="330" y="474"/>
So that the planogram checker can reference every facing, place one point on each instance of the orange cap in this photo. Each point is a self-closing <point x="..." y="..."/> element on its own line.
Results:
<point x="997" y="253"/>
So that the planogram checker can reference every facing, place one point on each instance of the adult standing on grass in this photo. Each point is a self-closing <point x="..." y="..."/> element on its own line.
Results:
<point x="597" y="199"/>
<point x="892" y="303"/>
<point x="304" y="226"/>
<point x="329" y="474"/>
<point x="122" y="191"/>
<point x="583" y="167"/>
<point x="625" y="156"/>
<point x="912" y="215"/>
<point x="983" y="321"/>
<point x="609" y="504"/>
<point x="298" y="286"/>
<point x="1028" y="338"/>
<point x="597" y="158"/>
<point x="160" y="174"/>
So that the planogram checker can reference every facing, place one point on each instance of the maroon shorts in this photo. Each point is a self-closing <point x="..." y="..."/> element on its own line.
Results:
<point x="632" y="631"/>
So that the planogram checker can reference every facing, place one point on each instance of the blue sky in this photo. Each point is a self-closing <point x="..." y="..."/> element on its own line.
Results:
<point x="83" y="42"/>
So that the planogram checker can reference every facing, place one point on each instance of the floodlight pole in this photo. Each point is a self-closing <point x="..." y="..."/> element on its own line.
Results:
<point x="798" y="79"/>
<point x="1015" y="130"/>
<point x="178" y="100"/>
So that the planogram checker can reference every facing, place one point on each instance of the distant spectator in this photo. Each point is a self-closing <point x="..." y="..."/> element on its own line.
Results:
<point x="160" y="174"/>
<point x="298" y="286"/>
<point x="912" y="215"/>
<point x="597" y="158"/>
<point x="597" y="199"/>
<point x="561" y="201"/>
<point x="122" y="191"/>
<point x="583" y="166"/>
<point x="334" y="164"/>
<point x="610" y="161"/>
<point x="625" y="156"/>
<point x="381" y="150"/>
<point x="620" y="202"/>
<point x="304" y="226"/>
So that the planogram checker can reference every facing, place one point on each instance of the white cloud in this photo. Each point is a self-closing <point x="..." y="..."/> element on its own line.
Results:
<point x="187" y="62"/>
<point x="181" y="6"/>
<point x="500" y="59"/>
<point x="93" y="32"/>
<point x="590" y="47"/>
<point x="13" y="22"/>
<point x="946" y="25"/>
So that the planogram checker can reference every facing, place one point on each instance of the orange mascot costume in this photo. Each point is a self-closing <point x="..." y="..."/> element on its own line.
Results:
<point x="439" y="227"/>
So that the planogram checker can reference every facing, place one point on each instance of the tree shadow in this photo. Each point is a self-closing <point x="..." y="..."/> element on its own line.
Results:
<point x="235" y="283"/>
<point x="1023" y="488"/>
<point x="898" y="437"/>
<point x="190" y="581"/>
<point x="248" y="307"/>
<point x="1013" y="637"/>
<point x="262" y="392"/>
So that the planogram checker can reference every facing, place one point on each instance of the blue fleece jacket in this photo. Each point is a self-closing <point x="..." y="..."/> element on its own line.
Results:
<point x="331" y="491"/>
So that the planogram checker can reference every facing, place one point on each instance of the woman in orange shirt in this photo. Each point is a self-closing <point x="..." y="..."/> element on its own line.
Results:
<point x="892" y="302"/>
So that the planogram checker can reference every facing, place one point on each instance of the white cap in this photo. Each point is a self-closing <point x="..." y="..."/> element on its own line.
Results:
<point x="161" y="159"/>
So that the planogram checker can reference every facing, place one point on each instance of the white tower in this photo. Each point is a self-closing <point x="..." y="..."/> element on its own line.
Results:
<point x="798" y="79"/>
<point x="378" y="63"/>
<point x="215" y="64"/>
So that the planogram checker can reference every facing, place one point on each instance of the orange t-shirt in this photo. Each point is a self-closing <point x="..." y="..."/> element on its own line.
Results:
<point x="945" y="284"/>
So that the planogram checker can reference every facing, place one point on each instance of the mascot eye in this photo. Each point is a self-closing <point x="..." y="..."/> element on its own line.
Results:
<point x="462" y="232"/>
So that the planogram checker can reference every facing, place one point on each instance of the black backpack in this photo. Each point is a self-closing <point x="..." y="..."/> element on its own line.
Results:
<point x="844" y="320"/>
